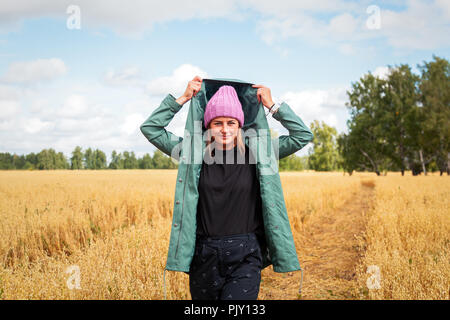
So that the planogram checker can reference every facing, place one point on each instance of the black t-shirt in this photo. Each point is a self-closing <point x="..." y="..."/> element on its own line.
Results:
<point x="229" y="194"/>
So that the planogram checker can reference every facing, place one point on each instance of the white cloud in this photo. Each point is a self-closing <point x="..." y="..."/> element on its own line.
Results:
<point x="87" y="115"/>
<point x="344" y="24"/>
<point x="422" y="25"/>
<point x="323" y="105"/>
<point x="74" y="111"/>
<point x="34" y="71"/>
<point x="327" y="105"/>
<point x="6" y="125"/>
<point x="139" y="17"/>
<point x="35" y="125"/>
<point x="132" y="123"/>
<point x="284" y="8"/>
<point x="177" y="82"/>
<point x="140" y="105"/>
<point x="77" y="126"/>
<point x="444" y="5"/>
<point x="39" y="105"/>
<point x="8" y="108"/>
<point x="8" y="92"/>
<point x="74" y="106"/>
<point x="9" y="104"/>
<point x="381" y="72"/>
<point x="346" y="49"/>
<point x="284" y="52"/>
<point x="127" y="77"/>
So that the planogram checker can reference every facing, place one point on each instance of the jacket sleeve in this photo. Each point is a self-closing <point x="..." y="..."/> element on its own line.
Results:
<point x="299" y="134"/>
<point x="154" y="127"/>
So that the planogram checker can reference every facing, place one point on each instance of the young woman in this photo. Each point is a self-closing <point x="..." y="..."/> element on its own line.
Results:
<point x="230" y="219"/>
<point x="227" y="262"/>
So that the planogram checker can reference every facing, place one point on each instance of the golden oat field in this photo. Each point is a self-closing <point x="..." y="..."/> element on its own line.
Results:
<point x="105" y="235"/>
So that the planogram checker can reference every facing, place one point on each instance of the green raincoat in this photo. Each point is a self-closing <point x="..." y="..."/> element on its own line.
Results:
<point x="278" y="248"/>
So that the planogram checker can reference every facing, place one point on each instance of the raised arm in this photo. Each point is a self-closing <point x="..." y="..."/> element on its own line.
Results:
<point x="299" y="133"/>
<point x="154" y="128"/>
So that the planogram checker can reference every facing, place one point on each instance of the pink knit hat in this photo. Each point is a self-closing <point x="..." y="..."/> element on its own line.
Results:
<point x="224" y="103"/>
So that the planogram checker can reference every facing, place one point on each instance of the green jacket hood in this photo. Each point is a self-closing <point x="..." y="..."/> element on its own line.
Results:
<point x="246" y="94"/>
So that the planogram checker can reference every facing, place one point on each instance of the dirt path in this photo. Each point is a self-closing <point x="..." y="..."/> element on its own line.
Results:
<point x="328" y="253"/>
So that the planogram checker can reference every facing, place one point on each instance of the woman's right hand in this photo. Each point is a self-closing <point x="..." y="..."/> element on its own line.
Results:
<point x="193" y="87"/>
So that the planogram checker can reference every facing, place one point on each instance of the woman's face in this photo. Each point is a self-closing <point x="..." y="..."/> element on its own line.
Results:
<point x="224" y="130"/>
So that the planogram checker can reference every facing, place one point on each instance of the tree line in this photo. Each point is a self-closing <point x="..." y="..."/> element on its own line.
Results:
<point x="49" y="159"/>
<point x="399" y="122"/>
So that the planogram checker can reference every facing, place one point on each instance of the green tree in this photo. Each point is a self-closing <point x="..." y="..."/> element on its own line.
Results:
<point x="99" y="159"/>
<point x="18" y="161"/>
<point x="366" y="133"/>
<point x="32" y="159"/>
<point x="48" y="159"/>
<point x="61" y="161"/>
<point x="28" y="166"/>
<point x="400" y="115"/>
<point x="292" y="163"/>
<point x="77" y="159"/>
<point x="161" y="161"/>
<point x="116" y="160"/>
<point x="435" y="112"/>
<point x="6" y="161"/>
<point x="350" y="156"/>
<point x="325" y="155"/>
<point x="129" y="160"/>
<point x="89" y="159"/>
<point x="146" y="162"/>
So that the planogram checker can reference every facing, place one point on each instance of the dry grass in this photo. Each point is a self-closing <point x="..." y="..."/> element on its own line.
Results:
<point x="408" y="239"/>
<point x="115" y="226"/>
<point x="370" y="183"/>
<point x="312" y="200"/>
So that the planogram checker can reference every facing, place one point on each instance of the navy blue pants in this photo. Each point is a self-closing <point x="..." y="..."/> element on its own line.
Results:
<point x="226" y="268"/>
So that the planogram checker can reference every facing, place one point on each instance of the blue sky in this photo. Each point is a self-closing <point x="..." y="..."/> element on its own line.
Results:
<point x="94" y="86"/>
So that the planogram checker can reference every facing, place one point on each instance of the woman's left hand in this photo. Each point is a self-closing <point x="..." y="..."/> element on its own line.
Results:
<point x="264" y="95"/>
